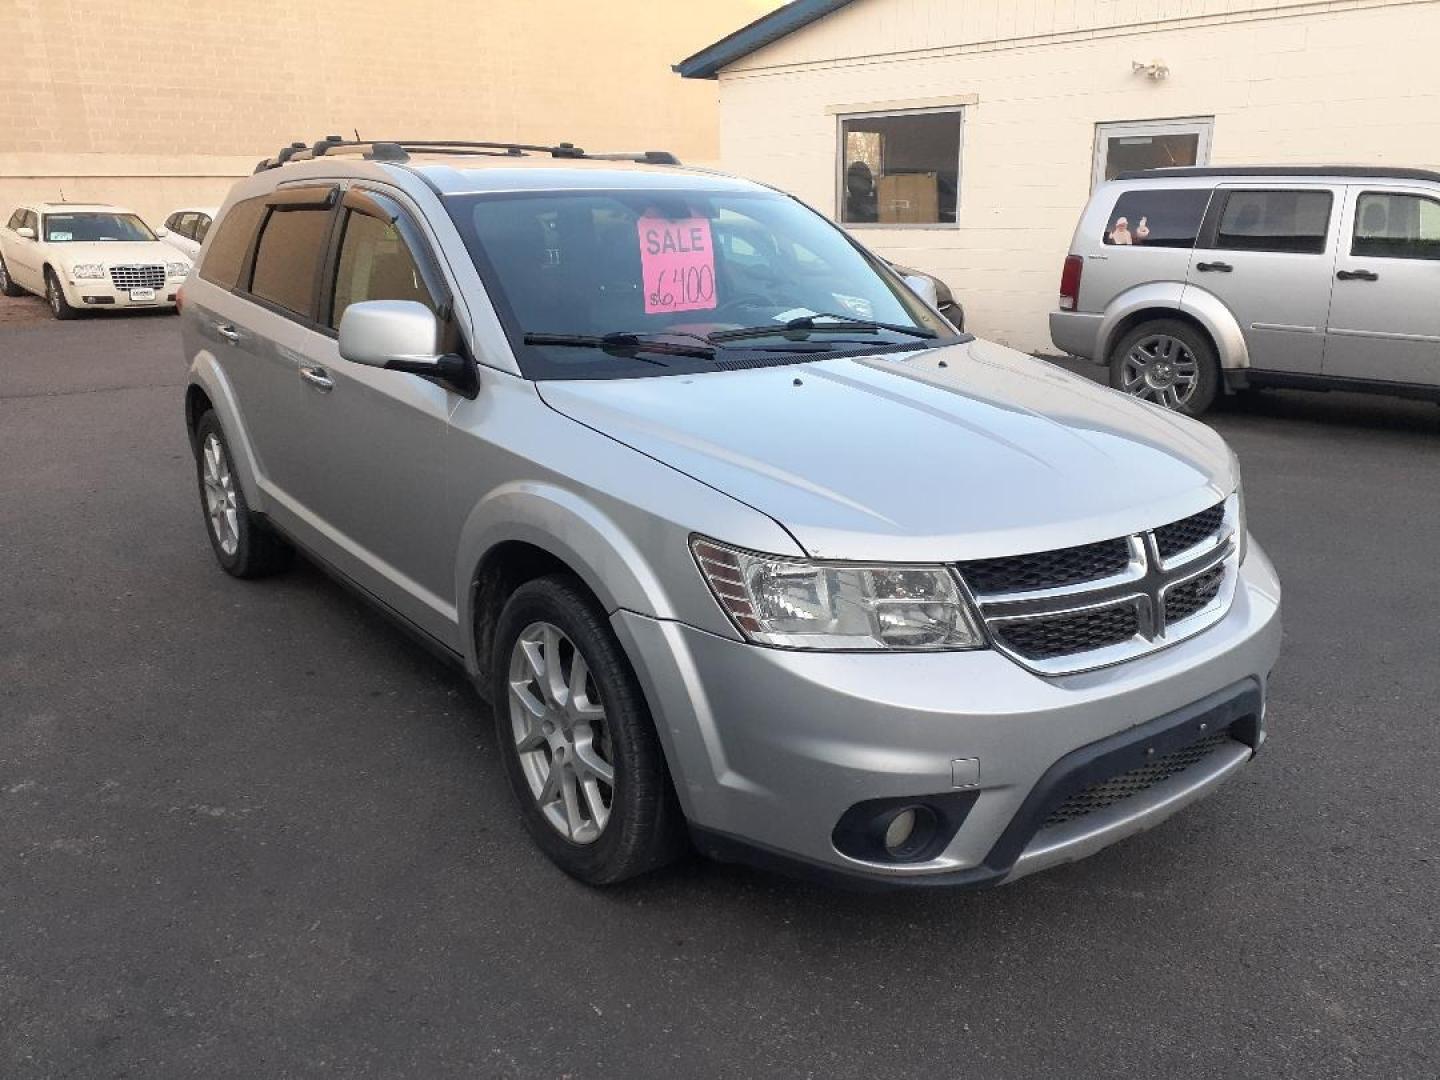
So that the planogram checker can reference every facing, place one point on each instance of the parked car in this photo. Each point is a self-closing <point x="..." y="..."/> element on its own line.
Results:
<point x="1187" y="282"/>
<point x="945" y="301"/>
<point x="864" y="597"/>
<point x="87" y="256"/>
<point x="185" y="229"/>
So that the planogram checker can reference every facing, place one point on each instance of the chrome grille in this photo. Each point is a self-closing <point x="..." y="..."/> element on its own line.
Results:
<point x="138" y="277"/>
<point x="1048" y="569"/>
<point x="1106" y="793"/>
<point x="1073" y="609"/>
<point x="1186" y="533"/>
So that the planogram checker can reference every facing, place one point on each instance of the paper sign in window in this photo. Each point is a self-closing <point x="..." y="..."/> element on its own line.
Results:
<point x="677" y="262"/>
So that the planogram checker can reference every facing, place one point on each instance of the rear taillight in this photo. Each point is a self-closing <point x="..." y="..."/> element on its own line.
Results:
<point x="1070" y="282"/>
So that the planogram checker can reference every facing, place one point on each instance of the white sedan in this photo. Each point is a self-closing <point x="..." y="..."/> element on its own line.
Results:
<point x="185" y="229"/>
<point x="81" y="256"/>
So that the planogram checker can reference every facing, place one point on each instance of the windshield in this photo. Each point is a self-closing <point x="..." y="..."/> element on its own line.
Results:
<point x="65" y="228"/>
<point x="678" y="267"/>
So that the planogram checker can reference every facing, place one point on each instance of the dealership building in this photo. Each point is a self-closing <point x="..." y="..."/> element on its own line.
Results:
<point x="963" y="138"/>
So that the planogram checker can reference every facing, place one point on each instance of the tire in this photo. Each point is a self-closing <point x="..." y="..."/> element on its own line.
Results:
<point x="7" y="283"/>
<point x="1152" y="362"/>
<point x="244" y="545"/>
<point x="601" y="721"/>
<point x="55" y="297"/>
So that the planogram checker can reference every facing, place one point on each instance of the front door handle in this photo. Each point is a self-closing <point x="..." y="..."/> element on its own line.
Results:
<point x="1214" y="267"/>
<point x="319" y="378"/>
<point x="1358" y="275"/>
<point x="228" y="332"/>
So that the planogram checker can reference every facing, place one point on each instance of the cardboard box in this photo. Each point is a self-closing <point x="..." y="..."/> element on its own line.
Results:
<point x="908" y="199"/>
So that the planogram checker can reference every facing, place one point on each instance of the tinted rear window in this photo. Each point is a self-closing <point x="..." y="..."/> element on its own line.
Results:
<point x="288" y="258"/>
<point x="1157" y="217"/>
<point x="1293" y="221"/>
<point x="226" y="256"/>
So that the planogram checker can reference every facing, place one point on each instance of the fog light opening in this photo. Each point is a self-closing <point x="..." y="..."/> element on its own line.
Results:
<point x="909" y="832"/>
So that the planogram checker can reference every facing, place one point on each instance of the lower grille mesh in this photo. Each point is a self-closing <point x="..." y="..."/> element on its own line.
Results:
<point x="1107" y="793"/>
<point x="1189" y="597"/>
<point x="1061" y="635"/>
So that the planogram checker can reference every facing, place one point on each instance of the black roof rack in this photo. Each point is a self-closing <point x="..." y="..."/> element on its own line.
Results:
<point x="1360" y="172"/>
<point x="399" y="151"/>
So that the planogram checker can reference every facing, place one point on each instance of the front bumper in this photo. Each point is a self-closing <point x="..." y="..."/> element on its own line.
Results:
<point x="769" y="747"/>
<point x="101" y="294"/>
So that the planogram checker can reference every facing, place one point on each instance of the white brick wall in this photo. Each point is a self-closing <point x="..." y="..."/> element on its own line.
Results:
<point x="1345" y="81"/>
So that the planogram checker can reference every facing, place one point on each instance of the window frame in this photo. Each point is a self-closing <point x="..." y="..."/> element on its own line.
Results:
<point x="1203" y="126"/>
<point x="306" y="197"/>
<point x="879" y="114"/>
<point x="1360" y="193"/>
<point x="1210" y="229"/>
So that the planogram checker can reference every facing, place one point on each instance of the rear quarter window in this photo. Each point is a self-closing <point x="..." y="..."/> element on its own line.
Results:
<point x="225" y="257"/>
<point x="1157" y="217"/>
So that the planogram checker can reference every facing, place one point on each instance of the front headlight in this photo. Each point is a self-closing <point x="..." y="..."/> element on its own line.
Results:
<point x="87" y="270"/>
<point x="798" y="604"/>
<point x="178" y="269"/>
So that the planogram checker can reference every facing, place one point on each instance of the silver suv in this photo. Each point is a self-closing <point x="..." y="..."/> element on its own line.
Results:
<point x="743" y="543"/>
<point x="1186" y="282"/>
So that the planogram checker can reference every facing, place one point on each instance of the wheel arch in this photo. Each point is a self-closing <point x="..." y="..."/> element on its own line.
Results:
<point x="525" y="530"/>
<point x="1181" y="303"/>
<point x="208" y="388"/>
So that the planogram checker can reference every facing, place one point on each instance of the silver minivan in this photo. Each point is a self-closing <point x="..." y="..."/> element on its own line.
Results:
<point x="743" y="542"/>
<point x="1194" y="281"/>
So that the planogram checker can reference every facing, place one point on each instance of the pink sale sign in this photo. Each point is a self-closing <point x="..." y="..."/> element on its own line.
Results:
<point x="677" y="261"/>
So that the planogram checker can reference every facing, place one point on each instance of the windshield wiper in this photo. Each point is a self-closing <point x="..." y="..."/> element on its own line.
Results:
<point x="623" y="344"/>
<point x="824" y="322"/>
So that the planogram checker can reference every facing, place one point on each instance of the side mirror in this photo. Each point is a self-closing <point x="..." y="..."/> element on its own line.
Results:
<point x="25" y="232"/>
<point x="399" y="335"/>
<point x="924" y="288"/>
<point x="160" y="234"/>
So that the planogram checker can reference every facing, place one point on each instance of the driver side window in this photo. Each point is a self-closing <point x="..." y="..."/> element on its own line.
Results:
<point x="375" y="264"/>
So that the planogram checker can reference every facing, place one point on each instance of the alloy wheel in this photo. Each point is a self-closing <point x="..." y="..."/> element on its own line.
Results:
<point x="54" y="294"/>
<point x="220" y="503"/>
<point x="1162" y="369"/>
<point x="560" y="731"/>
<point x="4" y="277"/>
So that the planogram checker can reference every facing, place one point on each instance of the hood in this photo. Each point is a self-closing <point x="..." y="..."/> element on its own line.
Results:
<point x="114" y="252"/>
<point x="968" y="451"/>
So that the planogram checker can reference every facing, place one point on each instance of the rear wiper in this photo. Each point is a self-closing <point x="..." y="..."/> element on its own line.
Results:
<point x="807" y="324"/>
<point x="623" y="344"/>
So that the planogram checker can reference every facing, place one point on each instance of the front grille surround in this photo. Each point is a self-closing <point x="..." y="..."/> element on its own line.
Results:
<point x="1178" y="580"/>
<point x="138" y="276"/>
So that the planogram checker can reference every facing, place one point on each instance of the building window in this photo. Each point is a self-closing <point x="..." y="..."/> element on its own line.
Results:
<point x="1150" y="144"/>
<point x="900" y="168"/>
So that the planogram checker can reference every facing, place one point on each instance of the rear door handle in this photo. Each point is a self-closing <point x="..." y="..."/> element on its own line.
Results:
<point x="319" y="378"/>
<point x="1358" y="275"/>
<point x="1214" y="267"/>
<point x="228" y="332"/>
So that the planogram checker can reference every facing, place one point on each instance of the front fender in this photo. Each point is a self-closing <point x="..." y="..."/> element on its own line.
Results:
<point x="589" y="541"/>
<point x="1165" y="298"/>
<point x="206" y="373"/>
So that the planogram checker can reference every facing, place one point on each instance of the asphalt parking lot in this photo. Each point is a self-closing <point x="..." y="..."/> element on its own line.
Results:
<point x="252" y="830"/>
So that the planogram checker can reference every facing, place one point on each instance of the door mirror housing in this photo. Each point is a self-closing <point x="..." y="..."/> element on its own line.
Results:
<point x="399" y="335"/>
<point x="924" y="288"/>
<point x="161" y="233"/>
<point x="25" y="232"/>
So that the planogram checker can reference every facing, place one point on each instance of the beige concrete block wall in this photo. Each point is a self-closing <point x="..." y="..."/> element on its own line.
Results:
<point x="163" y="102"/>
<point x="1286" y="83"/>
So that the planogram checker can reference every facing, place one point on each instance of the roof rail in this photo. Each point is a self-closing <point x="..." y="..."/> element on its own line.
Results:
<point x="399" y="151"/>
